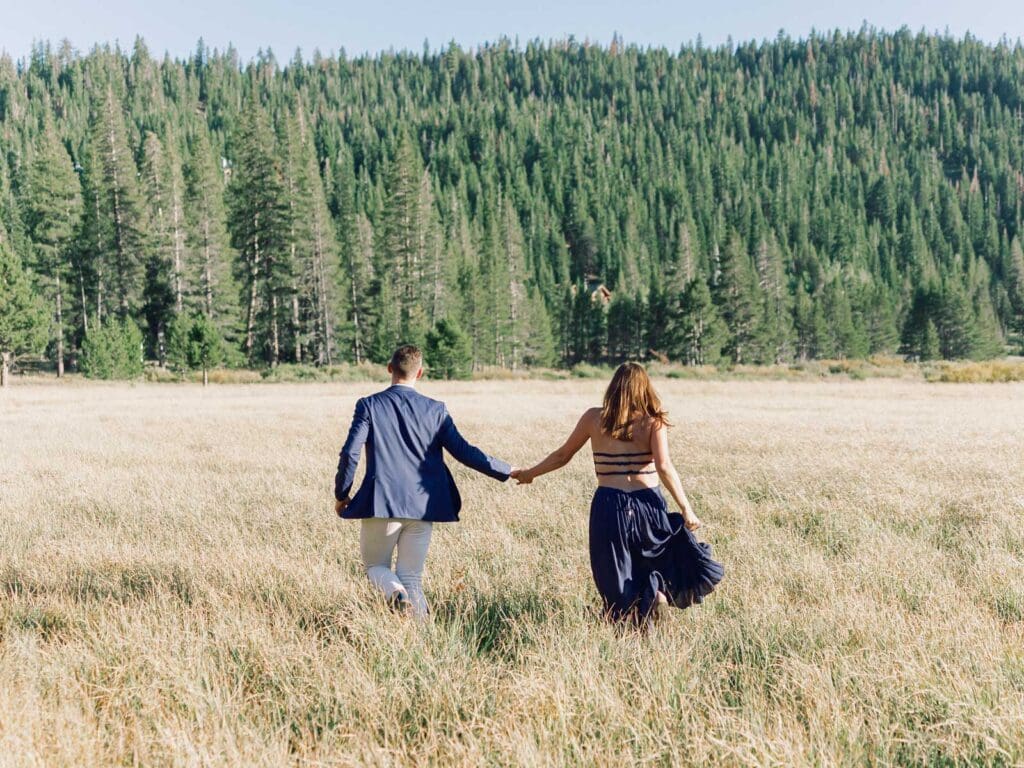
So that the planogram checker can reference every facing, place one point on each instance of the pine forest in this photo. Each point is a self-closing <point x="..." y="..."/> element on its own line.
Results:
<point x="551" y="204"/>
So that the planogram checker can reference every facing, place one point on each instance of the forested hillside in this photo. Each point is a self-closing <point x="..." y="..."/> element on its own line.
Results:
<point x="832" y="197"/>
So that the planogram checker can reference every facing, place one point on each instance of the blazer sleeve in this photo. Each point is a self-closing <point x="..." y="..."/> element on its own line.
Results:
<point x="349" y="458"/>
<point x="470" y="455"/>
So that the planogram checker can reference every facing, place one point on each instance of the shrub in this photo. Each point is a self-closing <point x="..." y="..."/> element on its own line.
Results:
<point x="177" y="343"/>
<point x="112" y="351"/>
<point x="588" y="371"/>
<point x="977" y="373"/>
<point x="195" y="344"/>
<point x="447" y="351"/>
<point x="292" y="372"/>
<point x="205" y="348"/>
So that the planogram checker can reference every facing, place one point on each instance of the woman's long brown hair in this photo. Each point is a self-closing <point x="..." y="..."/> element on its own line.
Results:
<point x="629" y="395"/>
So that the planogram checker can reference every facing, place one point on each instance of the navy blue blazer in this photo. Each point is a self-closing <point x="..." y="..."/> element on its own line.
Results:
<point x="406" y="477"/>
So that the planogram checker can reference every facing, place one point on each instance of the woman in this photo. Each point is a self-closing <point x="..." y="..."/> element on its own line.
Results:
<point x="641" y="556"/>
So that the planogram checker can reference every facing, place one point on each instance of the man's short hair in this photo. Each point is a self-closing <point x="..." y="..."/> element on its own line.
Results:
<point x="406" y="361"/>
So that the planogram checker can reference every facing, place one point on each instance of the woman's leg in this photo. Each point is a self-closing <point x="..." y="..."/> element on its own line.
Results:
<point x="377" y="540"/>
<point x="611" y="561"/>
<point x="413" y="543"/>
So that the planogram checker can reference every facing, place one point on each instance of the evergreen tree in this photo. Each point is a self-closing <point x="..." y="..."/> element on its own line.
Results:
<point x="313" y="247"/>
<point x="539" y="348"/>
<point x="493" y="278"/>
<point x="205" y="348"/>
<point x="659" y="318"/>
<point x="447" y="351"/>
<point x="698" y="333"/>
<point x="623" y="314"/>
<point x="823" y="338"/>
<point x="474" y="294"/>
<point x="954" y="322"/>
<point x="177" y="342"/>
<point x="929" y="349"/>
<point x="736" y="297"/>
<point x="164" y="186"/>
<point x="1014" y="271"/>
<point x="118" y="215"/>
<point x="211" y="286"/>
<point x="260" y="231"/>
<point x="988" y="339"/>
<point x="401" y="253"/>
<point x="362" y="287"/>
<point x="845" y="339"/>
<point x="23" y="328"/>
<point x="54" y="210"/>
<point x="164" y="189"/>
<point x="880" y="320"/>
<point x="587" y="332"/>
<point x="804" y="324"/>
<point x="513" y="317"/>
<point x="775" y="330"/>
<point x="920" y="336"/>
<point x="113" y="351"/>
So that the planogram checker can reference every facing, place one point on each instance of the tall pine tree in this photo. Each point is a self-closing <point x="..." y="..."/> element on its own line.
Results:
<point x="210" y="284"/>
<point x="260" y="232"/>
<point x="53" y="213"/>
<point x="114" y="203"/>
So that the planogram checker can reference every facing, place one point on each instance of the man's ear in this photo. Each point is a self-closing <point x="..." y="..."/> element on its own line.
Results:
<point x="390" y="369"/>
<point x="419" y="373"/>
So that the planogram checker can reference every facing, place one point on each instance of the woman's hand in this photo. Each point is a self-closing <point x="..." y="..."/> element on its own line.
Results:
<point x="690" y="520"/>
<point x="522" y="476"/>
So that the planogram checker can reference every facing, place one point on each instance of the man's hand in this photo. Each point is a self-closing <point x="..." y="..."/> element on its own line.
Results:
<point x="339" y="506"/>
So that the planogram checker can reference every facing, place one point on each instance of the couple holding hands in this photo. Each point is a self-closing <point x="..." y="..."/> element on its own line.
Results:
<point x="641" y="555"/>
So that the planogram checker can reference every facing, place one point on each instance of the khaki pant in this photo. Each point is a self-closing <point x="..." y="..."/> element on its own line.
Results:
<point x="378" y="540"/>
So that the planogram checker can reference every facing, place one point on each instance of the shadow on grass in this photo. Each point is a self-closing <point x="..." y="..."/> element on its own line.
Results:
<point x="50" y="624"/>
<point x="104" y="582"/>
<point x="326" y="622"/>
<point x="497" y="626"/>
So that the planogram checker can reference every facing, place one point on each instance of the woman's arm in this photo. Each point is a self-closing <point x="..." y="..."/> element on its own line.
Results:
<point x="561" y="456"/>
<point x="669" y="476"/>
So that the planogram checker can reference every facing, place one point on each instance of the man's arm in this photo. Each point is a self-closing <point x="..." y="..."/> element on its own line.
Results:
<point x="349" y="458"/>
<point x="470" y="455"/>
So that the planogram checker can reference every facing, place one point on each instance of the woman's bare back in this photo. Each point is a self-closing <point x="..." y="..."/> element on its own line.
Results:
<point x="625" y="465"/>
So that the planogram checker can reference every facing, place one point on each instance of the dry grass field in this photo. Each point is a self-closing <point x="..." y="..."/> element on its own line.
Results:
<point x="175" y="589"/>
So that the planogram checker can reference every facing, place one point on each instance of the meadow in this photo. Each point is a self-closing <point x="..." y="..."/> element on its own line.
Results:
<point x="176" y="590"/>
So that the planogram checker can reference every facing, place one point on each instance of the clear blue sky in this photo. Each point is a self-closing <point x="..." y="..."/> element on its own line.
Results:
<point x="375" y="25"/>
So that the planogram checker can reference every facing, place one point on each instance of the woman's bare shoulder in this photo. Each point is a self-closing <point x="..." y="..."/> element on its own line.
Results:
<point x="653" y="423"/>
<point x="654" y="427"/>
<point x="591" y="418"/>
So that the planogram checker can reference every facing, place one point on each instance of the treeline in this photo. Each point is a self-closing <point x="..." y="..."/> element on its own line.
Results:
<point x="838" y="196"/>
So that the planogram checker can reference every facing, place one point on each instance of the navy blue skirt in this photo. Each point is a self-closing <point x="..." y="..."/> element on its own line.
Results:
<point x="638" y="548"/>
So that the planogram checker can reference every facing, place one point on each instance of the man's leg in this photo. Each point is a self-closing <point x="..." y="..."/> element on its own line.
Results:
<point x="377" y="540"/>
<point x="413" y="543"/>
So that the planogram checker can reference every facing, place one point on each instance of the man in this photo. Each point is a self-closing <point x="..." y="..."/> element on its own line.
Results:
<point x="407" y="487"/>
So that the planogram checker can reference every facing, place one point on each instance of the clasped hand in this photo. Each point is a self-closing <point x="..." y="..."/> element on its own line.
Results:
<point x="521" y="476"/>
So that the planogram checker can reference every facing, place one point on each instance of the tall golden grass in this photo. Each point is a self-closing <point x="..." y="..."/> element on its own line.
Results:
<point x="174" y="587"/>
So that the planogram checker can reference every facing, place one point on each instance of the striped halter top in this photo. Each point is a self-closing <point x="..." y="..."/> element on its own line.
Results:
<point x="623" y="463"/>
